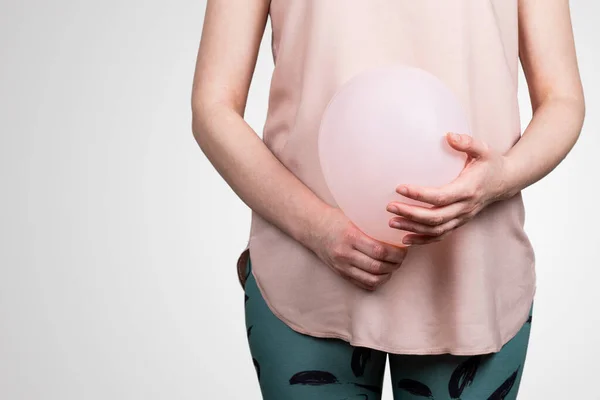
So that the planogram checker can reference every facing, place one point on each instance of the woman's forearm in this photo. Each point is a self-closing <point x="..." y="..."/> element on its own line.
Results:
<point x="546" y="141"/>
<point x="256" y="175"/>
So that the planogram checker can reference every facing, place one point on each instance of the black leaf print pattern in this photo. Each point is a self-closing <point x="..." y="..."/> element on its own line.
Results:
<point x="313" y="378"/>
<point x="249" y="331"/>
<point x="463" y="376"/>
<point x="357" y="397"/>
<point x="529" y="319"/>
<point x="372" y="388"/>
<point x="415" y="387"/>
<point x="256" y="367"/>
<point x="246" y="298"/>
<point x="360" y="357"/>
<point x="504" y="389"/>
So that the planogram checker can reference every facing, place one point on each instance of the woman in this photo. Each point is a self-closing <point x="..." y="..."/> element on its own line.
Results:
<point x="326" y="304"/>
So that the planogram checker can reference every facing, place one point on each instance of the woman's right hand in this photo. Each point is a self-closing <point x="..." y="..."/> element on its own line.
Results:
<point x="352" y="254"/>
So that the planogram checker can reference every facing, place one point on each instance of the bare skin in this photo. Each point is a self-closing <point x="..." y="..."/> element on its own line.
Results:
<point x="226" y="60"/>
<point x="547" y="54"/>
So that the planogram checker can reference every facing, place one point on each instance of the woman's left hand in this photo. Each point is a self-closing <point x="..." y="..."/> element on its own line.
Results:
<point x="481" y="182"/>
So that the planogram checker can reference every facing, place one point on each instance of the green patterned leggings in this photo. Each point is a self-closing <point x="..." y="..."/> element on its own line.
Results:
<point x="293" y="366"/>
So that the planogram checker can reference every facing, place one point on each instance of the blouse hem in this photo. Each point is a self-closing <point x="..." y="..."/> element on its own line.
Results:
<point x="397" y="350"/>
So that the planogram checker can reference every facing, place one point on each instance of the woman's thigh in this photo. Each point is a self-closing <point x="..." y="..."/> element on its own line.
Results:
<point x="293" y="366"/>
<point x="493" y="376"/>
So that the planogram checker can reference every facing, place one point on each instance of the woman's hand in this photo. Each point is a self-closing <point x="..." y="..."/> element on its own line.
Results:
<point x="480" y="183"/>
<point x="352" y="254"/>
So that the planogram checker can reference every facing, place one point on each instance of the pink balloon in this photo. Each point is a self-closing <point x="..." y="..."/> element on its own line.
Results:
<point x="382" y="128"/>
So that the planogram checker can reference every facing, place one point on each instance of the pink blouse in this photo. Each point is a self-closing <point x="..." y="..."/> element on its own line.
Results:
<point x="469" y="293"/>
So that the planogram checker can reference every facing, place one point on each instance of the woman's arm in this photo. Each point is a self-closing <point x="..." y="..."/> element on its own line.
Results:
<point x="226" y="60"/>
<point x="547" y="53"/>
<point x="227" y="56"/>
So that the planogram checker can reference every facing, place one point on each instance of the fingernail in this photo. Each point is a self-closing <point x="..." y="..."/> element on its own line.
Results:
<point x="407" y="241"/>
<point x="395" y="224"/>
<point x="455" y="137"/>
<point x="402" y="190"/>
<point x="392" y="209"/>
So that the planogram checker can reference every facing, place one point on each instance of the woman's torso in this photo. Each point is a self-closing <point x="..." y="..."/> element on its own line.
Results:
<point x="467" y="294"/>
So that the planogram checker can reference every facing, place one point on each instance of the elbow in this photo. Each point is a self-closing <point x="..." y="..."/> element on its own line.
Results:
<point x="579" y="107"/>
<point x="579" y="103"/>
<point x="198" y="127"/>
<point x="199" y="134"/>
<point x="199" y="122"/>
<point x="195" y="105"/>
<point x="574" y="108"/>
<point x="206" y="115"/>
<point x="582" y="109"/>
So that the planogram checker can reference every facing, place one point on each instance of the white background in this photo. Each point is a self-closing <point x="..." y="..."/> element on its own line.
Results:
<point x="119" y="239"/>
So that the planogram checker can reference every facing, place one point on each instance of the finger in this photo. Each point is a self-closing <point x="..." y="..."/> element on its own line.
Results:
<point x="382" y="279"/>
<point x="379" y="250"/>
<point x="350" y="274"/>
<point x="365" y="279"/>
<point x="423" y="239"/>
<point x="343" y="272"/>
<point x="432" y="216"/>
<point x="415" y="227"/>
<point x="457" y="190"/>
<point x="473" y="147"/>
<point x="371" y="265"/>
<point x="355" y="282"/>
<point x="419" y="239"/>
